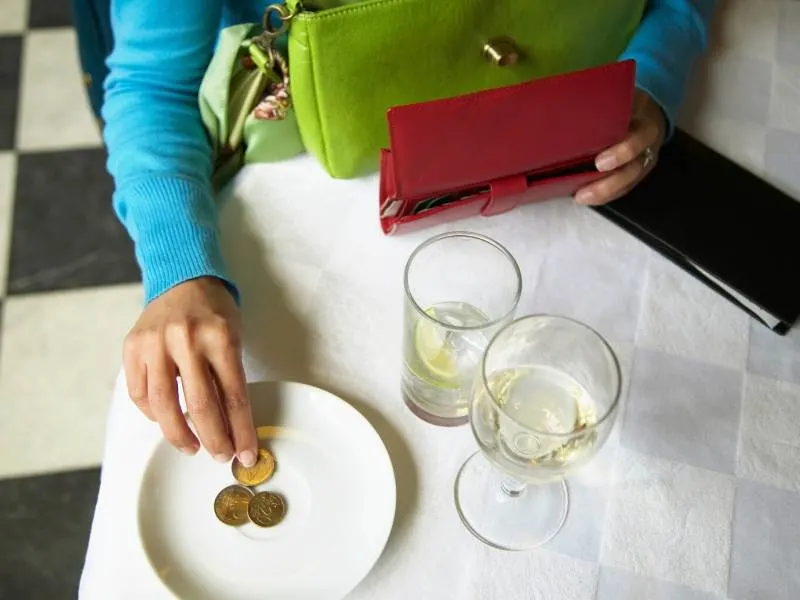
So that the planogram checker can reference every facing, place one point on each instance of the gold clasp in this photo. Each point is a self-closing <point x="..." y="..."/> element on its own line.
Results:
<point x="501" y="51"/>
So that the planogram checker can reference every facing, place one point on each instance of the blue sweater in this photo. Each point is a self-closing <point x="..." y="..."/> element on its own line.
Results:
<point x="159" y="154"/>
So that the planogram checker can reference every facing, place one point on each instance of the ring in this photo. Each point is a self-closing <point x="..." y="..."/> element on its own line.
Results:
<point x="648" y="156"/>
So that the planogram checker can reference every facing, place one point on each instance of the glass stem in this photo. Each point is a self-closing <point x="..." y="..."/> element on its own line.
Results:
<point x="512" y="488"/>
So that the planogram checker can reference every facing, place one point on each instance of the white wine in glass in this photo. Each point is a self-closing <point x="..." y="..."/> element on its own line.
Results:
<point x="543" y="403"/>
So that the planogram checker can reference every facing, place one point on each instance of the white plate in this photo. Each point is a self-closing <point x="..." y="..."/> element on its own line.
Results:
<point x="338" y="482"/>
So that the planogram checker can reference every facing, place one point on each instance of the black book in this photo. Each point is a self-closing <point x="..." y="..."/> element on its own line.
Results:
<point x="727" y="227"/>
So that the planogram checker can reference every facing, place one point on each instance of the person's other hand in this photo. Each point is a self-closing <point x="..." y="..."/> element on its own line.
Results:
<point x="625" y="162"/>
<point x="193" y="331"/>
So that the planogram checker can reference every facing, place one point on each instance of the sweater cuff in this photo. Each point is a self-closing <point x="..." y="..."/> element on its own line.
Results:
<point x="650" y="79"/>
<point x="173" y="223"/>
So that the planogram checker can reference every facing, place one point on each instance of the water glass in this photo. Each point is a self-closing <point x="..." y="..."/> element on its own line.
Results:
<point x="460" y="289"/>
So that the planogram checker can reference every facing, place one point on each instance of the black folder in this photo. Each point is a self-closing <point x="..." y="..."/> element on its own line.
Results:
<point x="727" y="227"/>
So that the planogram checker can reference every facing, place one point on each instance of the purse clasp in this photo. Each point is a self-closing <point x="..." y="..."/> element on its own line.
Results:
<point x="502" y="51"/>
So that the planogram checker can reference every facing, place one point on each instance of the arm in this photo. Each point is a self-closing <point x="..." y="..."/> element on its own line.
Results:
<point x="671" y="36"/>
<point x="161" y="161"/>
<point x="159" y="154"/>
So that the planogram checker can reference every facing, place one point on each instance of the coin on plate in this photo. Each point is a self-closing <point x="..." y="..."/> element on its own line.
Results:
<point x="258" y="473"/>
<point x="266" y="509"/>
<point x="231" y="504"/>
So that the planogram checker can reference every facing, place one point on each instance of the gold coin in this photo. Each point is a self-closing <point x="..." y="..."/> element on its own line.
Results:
<point x="266" y="509"/>
<point x="258" y="473"/>
<point x="230" y="505"/>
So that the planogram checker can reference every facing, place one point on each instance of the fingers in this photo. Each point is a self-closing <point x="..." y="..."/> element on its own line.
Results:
<point x="643" y="134"/>
<point x="202" y="402"/>
<point x="624" y="162"/>
<point x="162" y="392"/>
<point x="192" y="332"/>
<point x="225" y="357"/>
<point x="613" y="186"/>
<point x="222" y="346"/>
<point x="136" y="376"/>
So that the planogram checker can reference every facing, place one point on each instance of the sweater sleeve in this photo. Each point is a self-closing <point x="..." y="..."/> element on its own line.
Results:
<point x="158" y="152"/>
<point x="671" y="36"/>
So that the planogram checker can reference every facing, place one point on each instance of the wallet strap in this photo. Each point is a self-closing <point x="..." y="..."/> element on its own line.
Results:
<point x="505" y="194"/>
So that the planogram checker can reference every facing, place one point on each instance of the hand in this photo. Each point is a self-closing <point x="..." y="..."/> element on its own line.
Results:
<point x="193" y="331"/>
<point x="625" y="162"/>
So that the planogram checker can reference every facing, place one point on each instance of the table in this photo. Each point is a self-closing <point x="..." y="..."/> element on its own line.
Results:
<point x="696" y="496"/>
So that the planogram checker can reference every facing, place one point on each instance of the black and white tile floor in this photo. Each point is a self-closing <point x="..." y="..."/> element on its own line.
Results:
<point x="68" y="293"/>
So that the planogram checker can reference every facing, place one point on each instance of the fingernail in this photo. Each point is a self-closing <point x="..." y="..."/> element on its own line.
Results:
<point x="247" y="458"/>
<point x="605" y="162"/>
<point x="584" y="197"/>
<point x="222" y="458"/>
<point x="188" y="450"/>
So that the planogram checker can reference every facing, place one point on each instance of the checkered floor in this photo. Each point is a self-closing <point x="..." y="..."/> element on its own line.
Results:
<point x="69" y="291"/>
<point x="69" y="286"/>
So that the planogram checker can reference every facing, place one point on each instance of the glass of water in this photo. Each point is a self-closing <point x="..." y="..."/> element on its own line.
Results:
<point x="460" y="289"/>
<point x="543" y="403"/>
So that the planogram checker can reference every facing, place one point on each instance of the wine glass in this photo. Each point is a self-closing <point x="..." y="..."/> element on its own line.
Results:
<point x="543" y="403"/>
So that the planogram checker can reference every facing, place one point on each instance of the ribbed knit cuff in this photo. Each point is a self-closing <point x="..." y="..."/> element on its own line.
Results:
<point x="173" y="223"/>
<point x="650" y="78"/>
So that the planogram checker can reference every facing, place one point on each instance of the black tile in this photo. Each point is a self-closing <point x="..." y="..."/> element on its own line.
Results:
<point x="10" y="64"/>
<point x="50" y="13"/>
<point x="65" y="233"/>
<point x="44" y="531"/>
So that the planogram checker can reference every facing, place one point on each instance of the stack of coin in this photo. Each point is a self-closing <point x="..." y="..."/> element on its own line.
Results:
<point x="238" y="504"/>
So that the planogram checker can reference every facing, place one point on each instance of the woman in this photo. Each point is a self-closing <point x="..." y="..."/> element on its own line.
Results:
<point x="160" y="159"/>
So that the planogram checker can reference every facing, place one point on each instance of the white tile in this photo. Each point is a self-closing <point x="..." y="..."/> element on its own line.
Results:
<point x="788" y="40"/>
<point x="712" y="329"/>
<point x="61" y="353"/>
<point x="54" y="111"/>
<point x="618" y="584"/>
<point x="765" y="552"/>
<point x="582" y="279"/>
<point x="13" y="16"/>
<point x="8" y="170"/>
<point x="746" y="27"/>
<point x="742" y="142"/>
<point x="771" y="409"/>
<point x="769" y="450"/>
<point x="729" y="85"/>
<point x="536" y="575"/>
<point x="683" y="410"/>
<point x="784" y="112"/>
<point x="769" y="461"/>
<point x="670" y="521"/>
<point x="783" y="161"/>
<point x="772" y="355"/>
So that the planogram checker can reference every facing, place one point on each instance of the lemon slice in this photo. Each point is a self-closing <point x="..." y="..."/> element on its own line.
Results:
<point x="433" y="348"/>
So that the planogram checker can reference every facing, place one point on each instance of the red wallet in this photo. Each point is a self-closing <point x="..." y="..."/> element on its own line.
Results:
<point x="488" y="152"/>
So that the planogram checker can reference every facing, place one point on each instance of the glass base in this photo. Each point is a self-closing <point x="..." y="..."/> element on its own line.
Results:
<point x="504" y="515"/>
<point x="433" y="419"/>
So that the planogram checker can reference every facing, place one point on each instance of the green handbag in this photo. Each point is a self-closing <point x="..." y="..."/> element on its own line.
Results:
<point x="351" y="61"/>
<point x="245" y="103"/>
